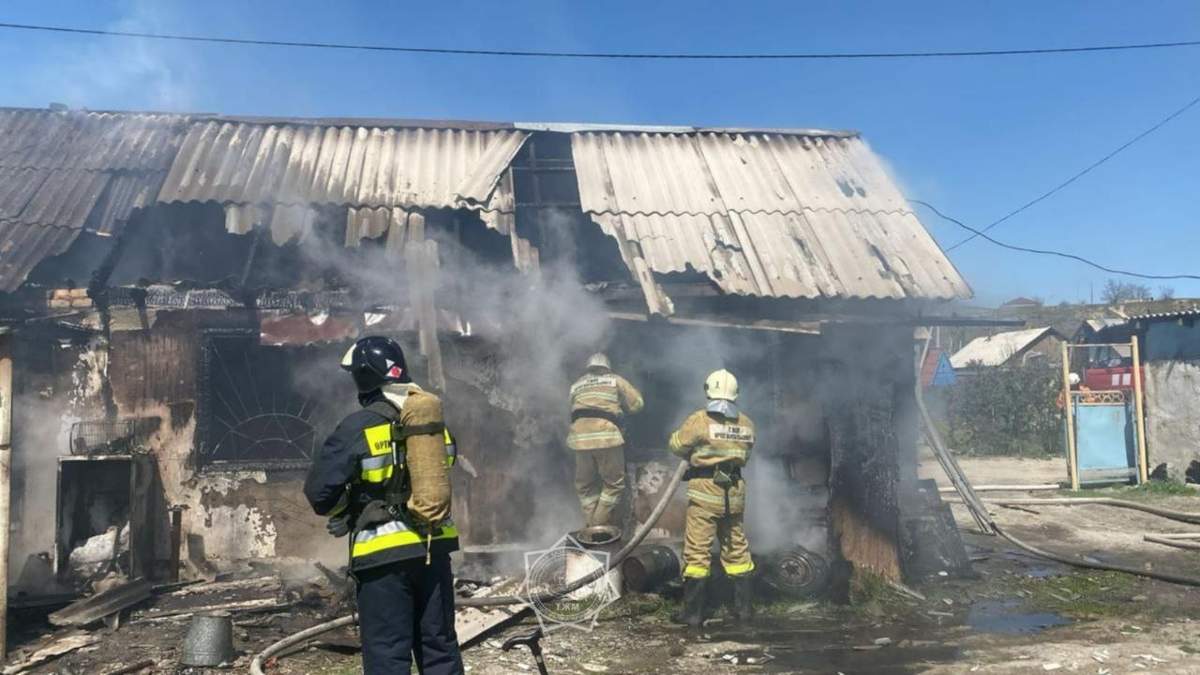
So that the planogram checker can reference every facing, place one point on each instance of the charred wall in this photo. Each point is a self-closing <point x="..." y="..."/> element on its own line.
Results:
<point x="868" y="378"/>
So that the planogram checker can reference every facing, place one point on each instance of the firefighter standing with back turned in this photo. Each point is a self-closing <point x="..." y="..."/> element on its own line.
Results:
<point x="716" y="442"/>
<point x="599" y="401"/>
<point x="383" y="478"/>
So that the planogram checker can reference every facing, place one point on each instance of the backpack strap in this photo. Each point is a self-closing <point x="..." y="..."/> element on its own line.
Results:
<point x="385" y="409"/>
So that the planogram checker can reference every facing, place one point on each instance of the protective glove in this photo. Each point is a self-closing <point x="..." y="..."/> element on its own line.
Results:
<point x="339" y="525"/>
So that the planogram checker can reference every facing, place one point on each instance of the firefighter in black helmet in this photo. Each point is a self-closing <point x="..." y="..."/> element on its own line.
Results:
<point x="383" y="478"/>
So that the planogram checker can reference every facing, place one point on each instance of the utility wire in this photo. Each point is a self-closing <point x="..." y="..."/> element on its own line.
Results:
<point x="599" y="55"/>
<point x="1060" y="254"/>
<point x="1082" y="173"/>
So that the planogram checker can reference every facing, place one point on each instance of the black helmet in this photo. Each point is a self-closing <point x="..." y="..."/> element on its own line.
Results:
<point x="375" y="361"/>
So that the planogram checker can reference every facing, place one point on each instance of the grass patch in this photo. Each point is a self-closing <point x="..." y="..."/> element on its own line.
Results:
<point x="872" y="596"/>
<point x="1089" y="595"/>
<point x="635" y="605"/>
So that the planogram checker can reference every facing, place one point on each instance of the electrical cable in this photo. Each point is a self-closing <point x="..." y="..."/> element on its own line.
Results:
<point x="1060" y="254"/>
<point x="601" y="55"/>
<point x="1158" y="125"/>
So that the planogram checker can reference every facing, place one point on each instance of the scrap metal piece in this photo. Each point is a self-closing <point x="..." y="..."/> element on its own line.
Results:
<point x="103" y="604"/>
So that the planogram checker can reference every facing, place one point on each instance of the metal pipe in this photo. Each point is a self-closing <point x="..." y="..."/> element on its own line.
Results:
<point x="1005" y="488"/>
<point x="1181" y="516"/>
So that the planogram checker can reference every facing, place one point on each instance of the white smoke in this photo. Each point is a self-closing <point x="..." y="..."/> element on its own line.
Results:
<point x="108" y="74"/>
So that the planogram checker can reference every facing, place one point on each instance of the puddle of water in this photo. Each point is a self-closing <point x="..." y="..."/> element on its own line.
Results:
<point x="991" y="616"/>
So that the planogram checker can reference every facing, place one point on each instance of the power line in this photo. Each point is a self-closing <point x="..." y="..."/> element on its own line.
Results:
<point x="1082" y="173"/>
<point x="1060" y="254"/>
<point x="600" y="55"/>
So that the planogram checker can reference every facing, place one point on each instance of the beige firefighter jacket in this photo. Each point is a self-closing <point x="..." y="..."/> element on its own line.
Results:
<point x="606" y="392"/>
<point x="707" y="440"/>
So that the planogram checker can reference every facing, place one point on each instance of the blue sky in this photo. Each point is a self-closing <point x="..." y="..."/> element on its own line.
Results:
<point x="976" y="137"/>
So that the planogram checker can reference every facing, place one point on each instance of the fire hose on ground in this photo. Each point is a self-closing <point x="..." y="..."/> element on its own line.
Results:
<point x="989" y="526"/>
<point x="256" y="666"/>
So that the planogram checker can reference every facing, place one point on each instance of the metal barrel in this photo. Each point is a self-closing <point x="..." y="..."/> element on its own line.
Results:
<point x="649" y="566"/>
<point x="209" y="640"/>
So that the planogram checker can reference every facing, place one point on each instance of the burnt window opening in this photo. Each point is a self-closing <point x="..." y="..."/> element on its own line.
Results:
<point x="258" y="408"/>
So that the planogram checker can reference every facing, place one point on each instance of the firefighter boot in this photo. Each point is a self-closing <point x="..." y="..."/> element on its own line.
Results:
<point x="692" y="612"/>
<point x="743" y="599"/>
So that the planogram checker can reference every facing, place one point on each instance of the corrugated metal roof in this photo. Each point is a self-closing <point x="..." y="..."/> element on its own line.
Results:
<point x="995" y="350"/>
<point x="64" y="172"/>
<point x="1173" y="314"/>
<point x="244" y="163"/>
<point x="762" y="214"/>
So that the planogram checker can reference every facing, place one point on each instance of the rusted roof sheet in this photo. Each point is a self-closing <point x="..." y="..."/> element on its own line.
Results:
<point x="65" y="172"/>
<point x="761" y="214"/>
<point x="245" y="163"/>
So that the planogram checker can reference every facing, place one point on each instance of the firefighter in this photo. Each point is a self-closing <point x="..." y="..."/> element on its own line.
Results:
<point x="599" y="402"/>
<point x="716" y="442"/>
<point x="383" y="478"/>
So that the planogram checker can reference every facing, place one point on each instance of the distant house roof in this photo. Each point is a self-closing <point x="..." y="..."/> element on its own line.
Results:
<point x="998" y="349"/>
<point x="796" y="213"/>
<point x="1021" y="302"/>
<point x="1181" y="313"/>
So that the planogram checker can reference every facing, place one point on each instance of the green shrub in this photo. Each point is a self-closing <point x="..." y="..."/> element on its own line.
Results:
<point x="1005" y="411"/>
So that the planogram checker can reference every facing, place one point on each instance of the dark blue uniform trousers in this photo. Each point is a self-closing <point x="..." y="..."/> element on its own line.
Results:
<point x="406" y="615"/>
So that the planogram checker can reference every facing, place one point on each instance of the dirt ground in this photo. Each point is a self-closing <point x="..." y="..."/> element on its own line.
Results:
<point x="1020" y="615"/>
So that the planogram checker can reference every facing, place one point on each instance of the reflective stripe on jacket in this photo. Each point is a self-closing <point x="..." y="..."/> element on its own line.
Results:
<point x="609" y="394"/>
<point x="360" y="457"/>
<point x="707" y="439"/>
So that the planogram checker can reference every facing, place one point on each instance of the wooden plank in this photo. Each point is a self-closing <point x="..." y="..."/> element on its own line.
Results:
<point x="53" y="650"/>
<point x="103" y="604"/>
<point x="421" y="262"/>
<point x="1143" y="458"/>
<point x="473" y="624"/>
<point x="1072" y="457"/>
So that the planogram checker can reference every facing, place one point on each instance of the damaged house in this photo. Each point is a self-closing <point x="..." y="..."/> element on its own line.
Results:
<point x="177" y="291"/>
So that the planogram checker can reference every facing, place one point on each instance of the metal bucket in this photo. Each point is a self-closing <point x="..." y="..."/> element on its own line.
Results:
<point x="599" y="539"/>
<point x="648" y="567"/>
<point x="209" y="640"/>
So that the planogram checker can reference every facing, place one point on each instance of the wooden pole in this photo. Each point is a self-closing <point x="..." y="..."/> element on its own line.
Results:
<point x="1143" y="458"/>
<point x="1072" y="457"/>
<point x="6" y="411"/>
